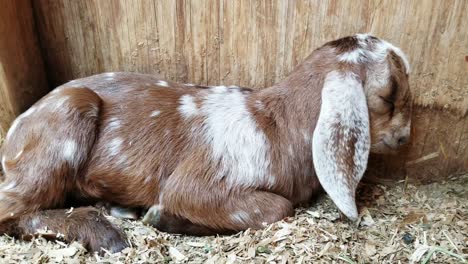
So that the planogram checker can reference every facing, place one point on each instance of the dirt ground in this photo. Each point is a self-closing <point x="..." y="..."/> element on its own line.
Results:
<point x="398" y="224"/>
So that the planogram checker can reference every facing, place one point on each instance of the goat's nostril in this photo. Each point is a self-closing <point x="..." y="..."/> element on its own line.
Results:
<point x="402" y="140"/>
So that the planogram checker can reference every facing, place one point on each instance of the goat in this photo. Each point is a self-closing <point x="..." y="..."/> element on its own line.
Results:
<point x="204" y="160"/>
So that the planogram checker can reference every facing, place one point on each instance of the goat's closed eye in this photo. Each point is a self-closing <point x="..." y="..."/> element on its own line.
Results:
<point x="390" y="103"/>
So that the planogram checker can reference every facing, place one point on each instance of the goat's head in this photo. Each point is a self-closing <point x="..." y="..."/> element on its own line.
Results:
<point x="366" y="107"/>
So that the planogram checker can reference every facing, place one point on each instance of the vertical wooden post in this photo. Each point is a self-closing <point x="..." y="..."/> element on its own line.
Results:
<point x="22" y="73"/>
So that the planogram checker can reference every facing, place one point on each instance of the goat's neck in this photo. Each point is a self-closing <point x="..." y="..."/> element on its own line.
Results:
<point x="294" y="103"/>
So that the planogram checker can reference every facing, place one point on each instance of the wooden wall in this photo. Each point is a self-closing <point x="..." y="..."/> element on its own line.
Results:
<point x="251" y="43"/>
<point x="22" y="73"/>
<point x="256" y="43"/>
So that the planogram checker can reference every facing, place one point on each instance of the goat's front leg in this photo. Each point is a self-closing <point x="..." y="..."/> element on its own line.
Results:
<point x="157" y="217"/>
<point x="236" y="212"/>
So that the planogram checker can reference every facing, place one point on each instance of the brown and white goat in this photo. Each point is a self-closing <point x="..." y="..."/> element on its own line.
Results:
<point x="205" y="160"/>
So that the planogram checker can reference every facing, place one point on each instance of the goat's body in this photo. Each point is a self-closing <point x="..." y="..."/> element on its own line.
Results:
<point x="197" y="152"/>
<point x="206" y="160"/>
<point x="147" y="155"/>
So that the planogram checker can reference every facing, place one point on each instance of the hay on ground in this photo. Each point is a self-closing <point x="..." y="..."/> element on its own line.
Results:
<point x="397" y="224"/>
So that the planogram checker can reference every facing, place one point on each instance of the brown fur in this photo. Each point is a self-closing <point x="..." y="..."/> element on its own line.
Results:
<point x="164" y="160"/>
<point x="388" y="118"/>
<point x="86" y="225"/>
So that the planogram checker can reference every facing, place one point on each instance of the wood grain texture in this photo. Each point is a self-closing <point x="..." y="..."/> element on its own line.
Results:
<point x="256" y="43"/>
<point x="252" y="43"/>
<point x="22" y="75"/>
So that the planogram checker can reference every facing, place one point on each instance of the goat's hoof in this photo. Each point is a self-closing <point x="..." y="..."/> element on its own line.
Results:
<point x="109" y="240"/>
<point x="153" y="216"/>
<point x="124" y="213"/>
<point x="112" y="243"/>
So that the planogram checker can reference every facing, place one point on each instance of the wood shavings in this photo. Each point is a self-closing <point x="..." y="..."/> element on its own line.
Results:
<point x="419" y="224"/>
<point x="175" y="253"/>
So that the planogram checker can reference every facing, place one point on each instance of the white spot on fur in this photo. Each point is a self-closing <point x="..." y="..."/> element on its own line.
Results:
<point x="378" y="71"/>
<point x="69" y="150"/>
<point x="362" y="36"/>
<point x="162" y="83"/>
<point x="155" y="113"/>
<point x="377" y="55"/>
<point x="110" y="74"/>
<point x="187" y="107"/>
<point x="115" y="146"/>
<point x="114" y="123"/>
<point x="236" y="141"/>
<point x="240" y="217"/>
<point x="219" y="89"/>
<point x="354" y="56"/>
<point x="344" y="112"/>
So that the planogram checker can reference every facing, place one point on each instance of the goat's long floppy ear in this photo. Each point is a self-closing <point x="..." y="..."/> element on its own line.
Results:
<point x="341" y="139"/>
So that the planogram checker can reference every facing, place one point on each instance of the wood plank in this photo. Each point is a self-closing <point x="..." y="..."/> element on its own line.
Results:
<point x="22" y="76"/>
